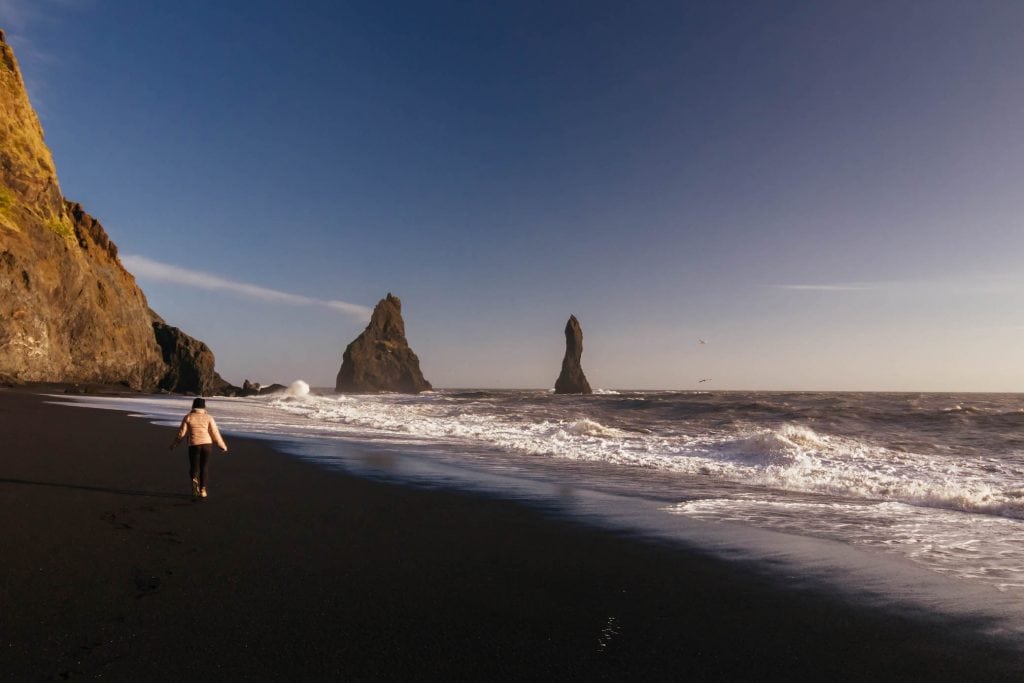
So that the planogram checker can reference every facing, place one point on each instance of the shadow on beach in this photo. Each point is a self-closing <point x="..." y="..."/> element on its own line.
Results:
<point x="100" y="489"/>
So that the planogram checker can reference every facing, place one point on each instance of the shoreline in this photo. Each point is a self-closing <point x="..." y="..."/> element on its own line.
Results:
<point x="295" y="570"/>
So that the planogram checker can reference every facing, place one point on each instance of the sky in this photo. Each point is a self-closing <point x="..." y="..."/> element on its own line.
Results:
<point x="828" y="194"/>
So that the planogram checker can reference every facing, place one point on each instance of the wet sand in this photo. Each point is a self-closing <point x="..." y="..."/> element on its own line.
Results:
<point x="290" y="571"/>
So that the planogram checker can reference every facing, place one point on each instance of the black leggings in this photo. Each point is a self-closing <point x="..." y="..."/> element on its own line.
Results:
<point x="198" y="456"/>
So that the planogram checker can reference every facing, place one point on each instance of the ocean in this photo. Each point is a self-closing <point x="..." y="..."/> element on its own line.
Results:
<point x="906" y="497"/>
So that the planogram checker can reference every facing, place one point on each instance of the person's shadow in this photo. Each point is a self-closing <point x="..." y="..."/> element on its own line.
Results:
<point x="100" y="489"/>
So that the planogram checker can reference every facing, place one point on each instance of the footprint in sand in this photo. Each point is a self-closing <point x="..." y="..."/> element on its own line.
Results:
<point x="145" y="582"/>
<point x="111" y="517"/>
<point x="170" y="537"/>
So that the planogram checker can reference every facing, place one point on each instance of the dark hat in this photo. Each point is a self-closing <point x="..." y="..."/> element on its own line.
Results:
<point x="198" y="403"/>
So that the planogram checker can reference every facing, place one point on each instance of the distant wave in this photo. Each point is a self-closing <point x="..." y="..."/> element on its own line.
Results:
<point x="788" y="456"/>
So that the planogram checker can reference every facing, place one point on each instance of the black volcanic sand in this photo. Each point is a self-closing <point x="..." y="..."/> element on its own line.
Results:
<point x="290" y="571"/>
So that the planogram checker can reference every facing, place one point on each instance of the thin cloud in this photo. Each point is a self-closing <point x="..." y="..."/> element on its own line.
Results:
<point x="15" y="13"/>
<point x="987" y="284"/>
<point x="828" y="288"/>
<point x="19" y="14"/>
<point x="19" y="19"/>
<point x="149" y="269"/>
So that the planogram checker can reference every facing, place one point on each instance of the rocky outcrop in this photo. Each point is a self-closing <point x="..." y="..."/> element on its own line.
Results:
<point x="257" y="389"/>
<point x="380" y="358"/>
<point x="69" y="311"/>
<point x="190" y="364"/>
<point x="572" y="380"/>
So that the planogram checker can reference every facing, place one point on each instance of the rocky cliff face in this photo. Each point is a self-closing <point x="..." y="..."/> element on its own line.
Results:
<point x="69" y="311"/>
<point x="572" y="380"/>
<point x="380" y="358"/>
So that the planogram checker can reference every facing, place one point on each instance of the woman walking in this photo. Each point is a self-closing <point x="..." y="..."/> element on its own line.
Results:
<point x="202" y="434"/>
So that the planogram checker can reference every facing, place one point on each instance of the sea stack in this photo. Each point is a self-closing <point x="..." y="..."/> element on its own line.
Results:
<point x="572" y="380"/>
<point x="380" y="358"/>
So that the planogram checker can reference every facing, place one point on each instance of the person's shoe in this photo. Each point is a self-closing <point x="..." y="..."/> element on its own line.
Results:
<point x="202" y="492"/>
<point x="195" y="487"/>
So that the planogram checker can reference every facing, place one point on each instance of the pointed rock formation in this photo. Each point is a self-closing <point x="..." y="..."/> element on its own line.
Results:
<point x="572" y="380"/>
<point x="251" y="388"/>
<point x="189" y="364"/>
<point x="380" y="358"/>
<point x="69" y="311"/>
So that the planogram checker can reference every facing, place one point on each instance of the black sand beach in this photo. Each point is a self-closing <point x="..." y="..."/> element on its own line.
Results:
<point x="290" y="571"/>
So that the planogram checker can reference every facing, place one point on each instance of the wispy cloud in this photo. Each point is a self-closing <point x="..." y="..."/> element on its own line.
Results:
<point x="148" y="269"/>
<point x="853" y="287"/>
<point x="21" y="20"/>
<point x="990" y="283"/>
<point x="19" y="14"/>
<point x="15" y="14"/>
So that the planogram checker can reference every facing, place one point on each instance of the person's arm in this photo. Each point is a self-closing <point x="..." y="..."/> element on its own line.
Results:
<point x="215" y="433"/>
<point x="182" y="431"/>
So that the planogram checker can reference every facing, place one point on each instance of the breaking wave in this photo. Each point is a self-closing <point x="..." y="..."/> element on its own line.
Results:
<point x="787" y="456"/>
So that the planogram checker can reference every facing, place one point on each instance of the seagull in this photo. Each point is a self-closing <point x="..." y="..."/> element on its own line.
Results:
<point x="701" y="341"/>
<point x="706" y="379"/>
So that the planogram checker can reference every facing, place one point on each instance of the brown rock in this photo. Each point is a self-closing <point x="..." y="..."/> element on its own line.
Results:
<point x="190" y="364"/>
<point x="572" y="380"/>
<point x="69" y="311"/>
<point x="380" y="358"/>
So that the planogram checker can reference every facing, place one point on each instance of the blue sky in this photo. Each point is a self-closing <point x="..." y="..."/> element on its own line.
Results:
<point x="828" y="193"/>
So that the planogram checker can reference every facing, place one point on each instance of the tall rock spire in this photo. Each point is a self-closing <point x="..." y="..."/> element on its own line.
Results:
<point x="572" y="380"/>
<point x="380" y="359"/>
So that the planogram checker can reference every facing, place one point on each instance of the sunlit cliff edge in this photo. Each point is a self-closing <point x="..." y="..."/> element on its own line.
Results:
<point x="69" y="311"/>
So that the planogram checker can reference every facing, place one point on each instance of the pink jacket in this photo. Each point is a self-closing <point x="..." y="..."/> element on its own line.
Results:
<point x="201" y="429"/>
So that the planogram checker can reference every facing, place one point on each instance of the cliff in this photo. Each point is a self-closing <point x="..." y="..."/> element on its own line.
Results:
<point x="380" y="359"/>
<point x="69" y="311"/>
<point x="572" y="380"/>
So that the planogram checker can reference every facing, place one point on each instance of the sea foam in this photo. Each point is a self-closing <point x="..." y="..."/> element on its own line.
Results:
<point x="789" y="457"/>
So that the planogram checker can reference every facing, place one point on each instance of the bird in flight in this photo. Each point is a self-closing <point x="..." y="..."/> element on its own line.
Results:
<point x="706" y="379"/>
<point x="701" y="341"/>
